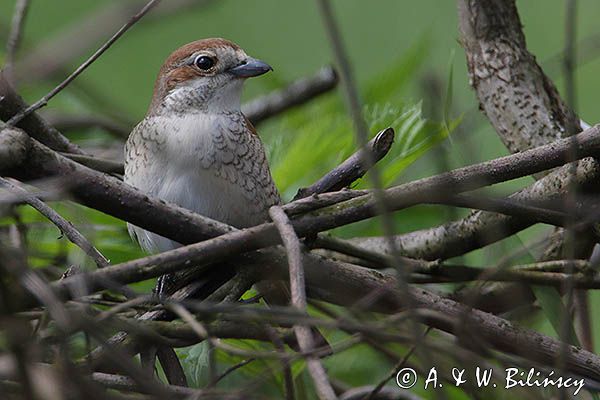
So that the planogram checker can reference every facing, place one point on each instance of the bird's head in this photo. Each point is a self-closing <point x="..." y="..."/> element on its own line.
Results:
<point x="205" y="75"/>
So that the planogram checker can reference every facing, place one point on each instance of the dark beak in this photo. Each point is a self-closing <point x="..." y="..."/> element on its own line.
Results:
<point x="251" y="67"/>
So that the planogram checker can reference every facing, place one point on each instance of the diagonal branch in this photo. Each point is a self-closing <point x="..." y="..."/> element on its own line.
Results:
<point x="295" y="94"/>
<point x="330" y="281"/>
<point x="44" y="100"/>
<point x="11" y="104"/>
<point x="52" y="55"/>
<point x="16" y="31"/>
<point x="352" y="168"/>
<point x="114" y="197"/>
<point x="65" y="226"/>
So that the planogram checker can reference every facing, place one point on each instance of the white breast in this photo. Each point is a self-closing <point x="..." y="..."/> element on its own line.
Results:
<point x="208" y="163"/>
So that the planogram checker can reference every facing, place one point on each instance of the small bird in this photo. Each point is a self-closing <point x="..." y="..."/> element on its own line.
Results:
<point x="195" y="148"/>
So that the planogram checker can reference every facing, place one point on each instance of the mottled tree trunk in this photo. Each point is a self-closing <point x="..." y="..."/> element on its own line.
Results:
<point x="519" y="100"/>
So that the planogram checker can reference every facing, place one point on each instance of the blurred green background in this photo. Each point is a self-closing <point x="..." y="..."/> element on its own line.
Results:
<point x="404" y="54"/>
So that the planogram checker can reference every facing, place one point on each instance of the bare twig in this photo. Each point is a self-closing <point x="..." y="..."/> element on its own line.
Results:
<point x="295" y="94"/>
<point x="508" y="206"/>
<point x="96" y="163"/>
<point x="64" y="123"/>
<point x="14" y="37"/>
<point x="394" y="370"/>
<point x="231" y="369"/>
<point x="298" y="291"/>
<point x="133" y="206"/>
<point x="52" y="55"/>
<point x="44" y="100"/>
<point x="360" y="126"/>
<point x="11" y="104"/>
<point x="352" y="168"/>
<point x="65" y="226"/>
<point x="569" y="59"/>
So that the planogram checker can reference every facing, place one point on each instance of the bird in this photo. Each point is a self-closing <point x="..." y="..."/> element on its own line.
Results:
<point x="195" y="148"/>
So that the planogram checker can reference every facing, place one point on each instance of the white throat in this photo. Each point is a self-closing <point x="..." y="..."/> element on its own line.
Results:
<point x="205" y="96"/>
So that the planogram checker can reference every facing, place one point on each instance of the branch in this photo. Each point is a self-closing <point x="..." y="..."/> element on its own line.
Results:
<point x="16" y="31"/>
<point x="298" y="294"/>
<point x="97" y="164"/>
<point x="295" y="94"/>
<point x="481" y="228"/>
<point x="44" y="100"/>
<point x="520" y="101"/>
<point x="527" y="211"/>
<point x="352" y="168"/>
<point x="14" y="147"/>
<point x="64" y="123"/>
<point x="112" y="196"/>
<point x="11" y="104"/>
<point x="65" y="226"/>
<point x="51" y="56"/>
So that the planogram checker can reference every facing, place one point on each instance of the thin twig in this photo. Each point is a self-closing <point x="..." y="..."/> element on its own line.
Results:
<point x="66" y="122"/>
<point x="44" y="100"/>
<point x="295" y="94"/>
<point x="394" y="371"/>
<point x="508" y="206"/>
<point x="230" y="370"/>
<point x="360" y="126"/>
<point x="298" y="297"/>
<point x="380" y="203"/>
<point x="65" y="226"/>
<point x="14" y="37"/>
<point x="50" y="57"/>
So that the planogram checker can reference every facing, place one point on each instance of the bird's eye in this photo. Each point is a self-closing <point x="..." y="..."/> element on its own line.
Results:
<point x="204" y="62"/>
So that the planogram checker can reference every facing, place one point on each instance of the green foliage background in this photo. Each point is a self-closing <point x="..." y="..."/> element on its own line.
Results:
<point x="395" y="46"/>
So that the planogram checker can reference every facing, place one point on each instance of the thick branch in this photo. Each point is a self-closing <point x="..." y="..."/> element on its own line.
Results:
<point x="524" y="107"/>
<point x="517" y="97"/>
<point x="112" y="196"/>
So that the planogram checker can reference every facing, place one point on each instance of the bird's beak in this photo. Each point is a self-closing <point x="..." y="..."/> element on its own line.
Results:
<point x="251" y="67"/>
